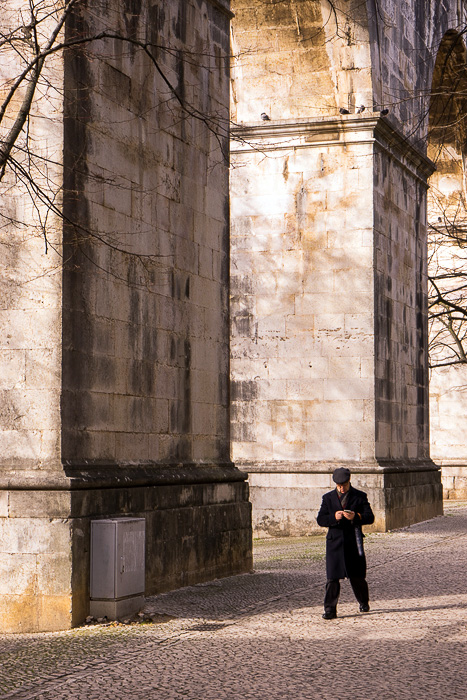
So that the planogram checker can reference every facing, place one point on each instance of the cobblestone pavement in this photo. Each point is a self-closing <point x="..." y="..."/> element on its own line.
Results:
<point x="261" y="635"/>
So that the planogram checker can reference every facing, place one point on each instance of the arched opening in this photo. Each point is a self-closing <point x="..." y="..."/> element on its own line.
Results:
<point x="447" y="268"/>
<point x="447" y="137"/>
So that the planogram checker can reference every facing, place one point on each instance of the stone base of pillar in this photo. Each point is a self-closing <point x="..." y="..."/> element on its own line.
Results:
<point x="454" y="480"/>
<point x="198" y="528"/>
<point x="116" y="609"/>
<point x="285" y="503"/>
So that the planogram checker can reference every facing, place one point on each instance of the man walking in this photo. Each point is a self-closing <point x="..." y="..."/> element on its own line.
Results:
<point x="344" y="511"/>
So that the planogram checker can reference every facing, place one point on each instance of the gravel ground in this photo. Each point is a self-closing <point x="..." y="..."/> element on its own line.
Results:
<point x="261" y="635"/>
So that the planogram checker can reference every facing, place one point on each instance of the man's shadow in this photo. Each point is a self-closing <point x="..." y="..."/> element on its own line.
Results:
<point x="419" y="608"/>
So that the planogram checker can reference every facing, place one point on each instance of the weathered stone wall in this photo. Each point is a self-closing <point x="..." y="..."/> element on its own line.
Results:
<point x="145" y="292"/>
<point x="405" y="79"/>
<point x="404" y="40"/>
<point x="302" y="295"/>
<point x="31" y="546"/>
<point x="198" y="526"/>
<point x="30" y="263"/>
<point x="401" y="332"/>
<point x="448" y="407"/>
<point x="123" y="367"/>
<point x="286" y="65"/>
<point x="329" y="350"/>
<point x="114" y="371"/>
<point x="328" y="328"/>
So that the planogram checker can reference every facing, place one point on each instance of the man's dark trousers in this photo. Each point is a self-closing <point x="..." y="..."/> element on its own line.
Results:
<point x="333" y="588"/>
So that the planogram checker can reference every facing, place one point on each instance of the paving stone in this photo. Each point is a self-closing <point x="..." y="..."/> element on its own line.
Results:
<point x="261" y="635"/>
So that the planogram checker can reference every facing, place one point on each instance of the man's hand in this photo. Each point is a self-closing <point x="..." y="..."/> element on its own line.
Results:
<point x="339" y="514"/>
<point x="350" y="515"/>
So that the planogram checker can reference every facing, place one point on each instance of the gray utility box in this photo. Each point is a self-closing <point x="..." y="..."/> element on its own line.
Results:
<point x="117" y="566"/>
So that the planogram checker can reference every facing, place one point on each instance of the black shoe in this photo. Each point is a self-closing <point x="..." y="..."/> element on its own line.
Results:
<point x="364" y="608"/>
<point x="329" y="615"/>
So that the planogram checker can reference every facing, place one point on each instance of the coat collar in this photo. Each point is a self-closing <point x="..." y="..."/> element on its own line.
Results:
<point x="337" y="502"/>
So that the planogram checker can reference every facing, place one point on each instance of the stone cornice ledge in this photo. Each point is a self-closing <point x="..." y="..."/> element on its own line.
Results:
<point x="374" y="467"/>
<point x="339" y="131"/>
<point x="102" y="475"/>
<point x="223" y="6"/>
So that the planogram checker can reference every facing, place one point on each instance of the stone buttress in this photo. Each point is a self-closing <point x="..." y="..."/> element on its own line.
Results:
<point x="329" y="257"/>
<point x="115" y="350"/>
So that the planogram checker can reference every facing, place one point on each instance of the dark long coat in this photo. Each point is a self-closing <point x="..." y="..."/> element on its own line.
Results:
<point x="342" y="557"/>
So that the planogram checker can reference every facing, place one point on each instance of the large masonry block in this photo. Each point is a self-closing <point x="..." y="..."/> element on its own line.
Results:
<point x="114" y="349"/>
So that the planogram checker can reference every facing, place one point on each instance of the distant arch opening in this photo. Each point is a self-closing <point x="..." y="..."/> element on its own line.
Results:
<point x="447" y="204"/>
<point x="447" y="263"/>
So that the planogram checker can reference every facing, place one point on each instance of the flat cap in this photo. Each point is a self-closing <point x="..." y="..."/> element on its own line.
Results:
<point x="341" y="475"/>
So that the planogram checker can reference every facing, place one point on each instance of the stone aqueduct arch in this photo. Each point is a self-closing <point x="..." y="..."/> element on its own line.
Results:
<point x="328" y="272"/>
<point x="447" y="217"/>
<point x="115" y="374"/>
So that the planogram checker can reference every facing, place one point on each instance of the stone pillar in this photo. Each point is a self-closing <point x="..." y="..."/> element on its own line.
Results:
<point x="115" y="346"/>
<point x="329" y="356"/>
<point x="35" y="532"/>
